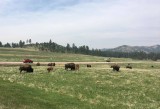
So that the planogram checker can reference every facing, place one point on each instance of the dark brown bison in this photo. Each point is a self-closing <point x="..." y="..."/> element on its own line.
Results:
<point x="26" y="67"/>
<point x="129" y="66"/>
<point x="70" y="66"/>
<point x="51" y="64"/>
<point x="88" y="65"/>
<point x="115" y="67"/>
<point x="38" y="64"/>
<point x="49" y="69"/>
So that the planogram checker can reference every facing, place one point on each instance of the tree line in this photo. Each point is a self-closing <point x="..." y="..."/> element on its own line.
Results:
<point x="54" y="47"/>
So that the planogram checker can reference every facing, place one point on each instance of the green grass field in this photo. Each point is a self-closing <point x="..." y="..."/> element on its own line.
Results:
<point x="17" y="55"/>
<point x="97" y="87"/>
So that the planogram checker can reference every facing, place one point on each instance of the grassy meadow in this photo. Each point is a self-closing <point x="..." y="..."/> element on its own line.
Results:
<point x="97" y="87"/>
<point x="18" y="54"/>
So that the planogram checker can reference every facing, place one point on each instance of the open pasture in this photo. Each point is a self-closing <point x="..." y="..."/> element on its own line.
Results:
<point x="97" y="87"/>
<point x="17" y="55"/>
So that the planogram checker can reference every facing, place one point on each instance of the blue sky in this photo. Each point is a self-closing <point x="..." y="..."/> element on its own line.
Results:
<point x="96" y="23"/>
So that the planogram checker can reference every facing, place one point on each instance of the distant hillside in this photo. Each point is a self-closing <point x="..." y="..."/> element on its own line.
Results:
<point x="126" y="48"/>
<point x="18" y="54"/>
<point x="125" y="51"/>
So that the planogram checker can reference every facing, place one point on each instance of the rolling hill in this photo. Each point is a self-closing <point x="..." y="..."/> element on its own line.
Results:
<point x="127" y="48"/>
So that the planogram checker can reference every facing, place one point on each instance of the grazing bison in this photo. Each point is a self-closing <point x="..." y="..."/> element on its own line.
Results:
<point x="129" y="66"/>
<point x="26" y="67"/>
<point x="115" y="67"/>
<point x="50" y="69"/>
<point x="77" y="66"/>
<point x="88" y="65"/>
<point x="70" y="66"/>
<point x="51" y="64"/>
<point x="38" y="64"/>
<point x="108" y="60"/>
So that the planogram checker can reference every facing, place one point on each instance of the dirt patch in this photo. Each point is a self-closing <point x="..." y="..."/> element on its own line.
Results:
<point x="61" y="63"/>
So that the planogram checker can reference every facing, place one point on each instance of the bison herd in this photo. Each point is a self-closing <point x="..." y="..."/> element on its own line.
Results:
<point x="28" y="68"/>
<point x="67" y="66"/>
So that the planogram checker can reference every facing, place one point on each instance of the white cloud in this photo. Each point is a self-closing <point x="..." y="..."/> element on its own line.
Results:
<point x="98" y="24"/>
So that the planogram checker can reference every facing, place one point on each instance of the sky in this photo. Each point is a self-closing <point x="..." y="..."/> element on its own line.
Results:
<point x="96" y="23"/>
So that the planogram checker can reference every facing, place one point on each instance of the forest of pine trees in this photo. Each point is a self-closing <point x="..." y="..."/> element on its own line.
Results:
<point x="54" y="47"/>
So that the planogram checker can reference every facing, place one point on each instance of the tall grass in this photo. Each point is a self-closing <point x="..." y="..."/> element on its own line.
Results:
<point x="96" y="88"/>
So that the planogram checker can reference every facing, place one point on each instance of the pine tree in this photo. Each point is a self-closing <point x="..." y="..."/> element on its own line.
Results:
<point x="7" y="45"/>
<point x="1" y="45"/>
<point x="68" y="48"/>
<point x="30" y="41"/>
<point x="21" y="43"/>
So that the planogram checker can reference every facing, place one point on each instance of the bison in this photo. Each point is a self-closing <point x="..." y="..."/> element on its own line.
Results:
<point x="88" y="65"/>
<point x="26" y="67"/>
<point x="115" y="67"/>
<point x="50" y="69"/>
<point x="51" y="64"/>
<point x="38" y="64"/>
<point x="108" y="60"/>
<point x="77" y="66"/>
<point x="129" y="66"/>
<point x="70" y="66"/>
